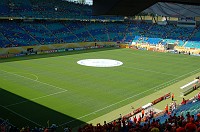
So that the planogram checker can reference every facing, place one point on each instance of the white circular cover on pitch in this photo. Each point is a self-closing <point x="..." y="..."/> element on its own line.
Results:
<point x="100" y="62"/>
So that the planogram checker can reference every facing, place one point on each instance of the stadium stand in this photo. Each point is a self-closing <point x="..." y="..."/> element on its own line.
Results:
<point x="16" y="35"/>
<point x="46" y="9"/>
<point x="22" y="33"/>
<point x="6" y="126"/>
<point x="42" y="32"/>
<point x="192" y="44"/>
<point x="196" y="36"/>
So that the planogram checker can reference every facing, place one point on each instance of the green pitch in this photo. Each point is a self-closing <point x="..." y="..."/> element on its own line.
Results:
<point x="54" y="88"/>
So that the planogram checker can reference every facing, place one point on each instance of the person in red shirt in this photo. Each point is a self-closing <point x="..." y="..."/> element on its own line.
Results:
<point x="190" y="126"/>
<point x="198" y="96"/>
<point x="139" y="118"/>
<point x="180" y="127"/>
<point x="135" y="119"/>
<point x="184" y="101"/>
<point x="198" y="116"/>
<point x="166" y="109"/>
<point x="154" y="123"/>
<point x="114" y="123"/>
<point x="197" y="122"/>
<point x="198" y="130"/>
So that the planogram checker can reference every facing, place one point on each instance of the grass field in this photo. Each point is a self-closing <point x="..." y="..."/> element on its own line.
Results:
<point x="39" y="88"/>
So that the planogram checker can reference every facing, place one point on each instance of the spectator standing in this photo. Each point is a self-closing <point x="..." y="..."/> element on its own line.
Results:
<point x="142" y="113"/>
<point x="166" y="109"/>
<point x="180" y="127"/>
<point x="190" y="126"/>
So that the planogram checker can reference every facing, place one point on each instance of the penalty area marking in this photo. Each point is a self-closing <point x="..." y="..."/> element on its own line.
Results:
<point x="34" y="80"/>
<point x="63" y="90"/>
<point x="36" y="77"/>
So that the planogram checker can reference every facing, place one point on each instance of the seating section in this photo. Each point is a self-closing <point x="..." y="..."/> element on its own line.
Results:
<point x="78" y="28"/>
<point x="154" y="34"/>
<point x="18" y="33"/>
<point x="13" y="35"/>
<point x="191" y="107"/>
<point x="6" y="126"/>
<point x="3" y="7"/>
<point x="196" y="36"/>
<point x="193" y="44"/>
<point x="48" y="9"/>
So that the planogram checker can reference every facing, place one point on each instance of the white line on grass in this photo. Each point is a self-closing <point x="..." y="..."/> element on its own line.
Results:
<point x="34" y="80"/>
<point x="129" y="97"/>
<point x="35" y="99"/>
<point x="20" y="115"/>
<point x="101" y="108"/>
<point x="36" y="77"/>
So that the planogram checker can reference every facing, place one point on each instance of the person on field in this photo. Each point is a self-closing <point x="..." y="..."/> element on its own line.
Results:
<point x="172" y="96"/>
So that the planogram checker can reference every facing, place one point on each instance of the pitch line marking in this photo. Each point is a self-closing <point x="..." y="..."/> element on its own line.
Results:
<point x="36" y="77"/>
<point x="129" y="97"/>
<point x="104" y="107"/>
<point x="35" y="99"/>
<point x="21" y="116"/>
<point x="34" y="80"/>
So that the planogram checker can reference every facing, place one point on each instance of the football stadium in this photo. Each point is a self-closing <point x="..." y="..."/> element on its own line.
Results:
<point x="99" y="66"/>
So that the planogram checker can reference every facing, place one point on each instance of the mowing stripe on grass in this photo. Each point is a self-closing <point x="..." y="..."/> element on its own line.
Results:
<point x="151" y="71"/>
<point x="34" y="80"/>
<point x="35" y="98"/>
<point x="21" y="116"/>
<point x="155" y="56"/>
<point x="163" y="84"/>
<point x="164" y="57"/>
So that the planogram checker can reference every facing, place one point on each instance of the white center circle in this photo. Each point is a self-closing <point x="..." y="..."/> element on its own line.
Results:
<point x="100" y="62"/>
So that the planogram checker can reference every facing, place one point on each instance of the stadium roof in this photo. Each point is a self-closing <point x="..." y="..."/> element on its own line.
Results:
<point x="175" y="8"/>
